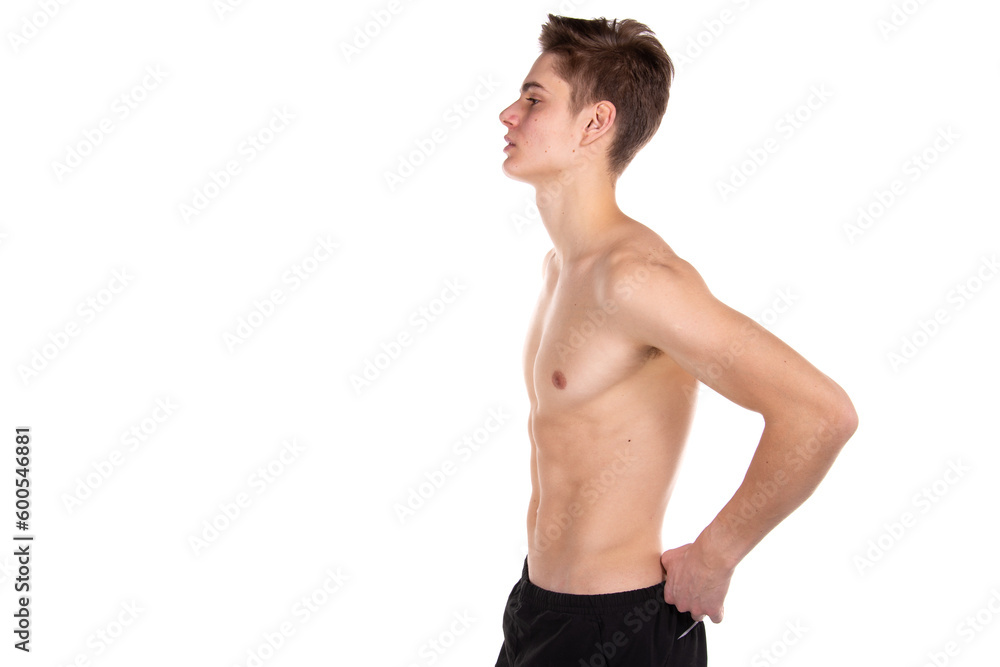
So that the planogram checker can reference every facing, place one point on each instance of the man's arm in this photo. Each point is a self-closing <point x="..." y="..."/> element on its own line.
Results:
<point x="807" y="417"/>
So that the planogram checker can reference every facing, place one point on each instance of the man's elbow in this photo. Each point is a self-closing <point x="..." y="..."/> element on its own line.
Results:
<point x="840" y="419"/>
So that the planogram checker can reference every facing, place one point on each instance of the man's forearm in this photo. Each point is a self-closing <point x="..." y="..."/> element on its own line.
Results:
<point x="788" y="465"/>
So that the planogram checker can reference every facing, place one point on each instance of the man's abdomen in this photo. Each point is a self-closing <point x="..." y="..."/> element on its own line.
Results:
<point x="603" y="485"/>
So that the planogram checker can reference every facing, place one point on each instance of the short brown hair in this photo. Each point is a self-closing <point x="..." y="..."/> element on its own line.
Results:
<point x="618" y="61"/>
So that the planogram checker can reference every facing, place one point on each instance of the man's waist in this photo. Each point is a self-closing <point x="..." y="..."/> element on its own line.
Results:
<point x="590" y="572"/>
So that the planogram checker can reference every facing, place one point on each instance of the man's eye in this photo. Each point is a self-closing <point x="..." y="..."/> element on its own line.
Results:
<point x="532" y="100"/>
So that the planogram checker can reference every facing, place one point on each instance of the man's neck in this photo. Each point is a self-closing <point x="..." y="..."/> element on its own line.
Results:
<point x="578" y="210"/>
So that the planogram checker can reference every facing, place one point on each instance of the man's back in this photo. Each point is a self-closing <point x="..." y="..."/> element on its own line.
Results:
<point x="609" y="418"/>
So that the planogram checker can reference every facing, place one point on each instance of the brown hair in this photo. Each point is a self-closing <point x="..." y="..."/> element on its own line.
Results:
<point x="618" y="61"/>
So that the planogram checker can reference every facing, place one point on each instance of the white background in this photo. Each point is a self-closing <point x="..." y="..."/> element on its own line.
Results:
<point x="189" y="282"/>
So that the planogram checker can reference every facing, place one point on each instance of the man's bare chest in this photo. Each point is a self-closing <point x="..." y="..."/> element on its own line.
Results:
<point x="577" y="348"/>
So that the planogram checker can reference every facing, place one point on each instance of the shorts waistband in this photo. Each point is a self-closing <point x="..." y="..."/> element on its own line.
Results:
<point x="571" y="602"/>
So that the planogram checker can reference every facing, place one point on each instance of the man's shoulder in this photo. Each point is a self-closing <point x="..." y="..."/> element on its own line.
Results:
<point x="642" y="257"/>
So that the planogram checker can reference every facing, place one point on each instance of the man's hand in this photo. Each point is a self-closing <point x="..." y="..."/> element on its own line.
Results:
<point x="695" y="583"/>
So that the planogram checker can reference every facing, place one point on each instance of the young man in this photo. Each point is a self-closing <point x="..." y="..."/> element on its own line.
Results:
<point x="623" y="331"/>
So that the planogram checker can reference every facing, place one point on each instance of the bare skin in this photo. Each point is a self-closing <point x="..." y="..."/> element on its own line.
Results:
<point x="623" y="331"/>
<point x="609" y="418"/>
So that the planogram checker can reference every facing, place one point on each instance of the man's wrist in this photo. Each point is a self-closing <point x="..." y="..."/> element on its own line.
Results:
<point x="718" y="548"/>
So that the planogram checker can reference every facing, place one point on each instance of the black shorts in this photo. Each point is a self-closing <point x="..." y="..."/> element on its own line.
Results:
<point x="633" y="628"/>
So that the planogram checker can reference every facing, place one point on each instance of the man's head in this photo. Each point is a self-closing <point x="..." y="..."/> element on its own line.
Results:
<point x="607" y="81"/>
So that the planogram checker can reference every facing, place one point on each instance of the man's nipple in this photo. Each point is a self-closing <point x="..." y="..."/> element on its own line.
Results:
<point x="559" y="380"/>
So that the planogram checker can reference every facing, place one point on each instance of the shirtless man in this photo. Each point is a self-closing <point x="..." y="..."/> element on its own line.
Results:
<point x="623" y="331"/>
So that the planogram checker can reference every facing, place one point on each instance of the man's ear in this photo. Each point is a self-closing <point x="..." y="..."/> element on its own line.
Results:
<point x="599" y="122"/>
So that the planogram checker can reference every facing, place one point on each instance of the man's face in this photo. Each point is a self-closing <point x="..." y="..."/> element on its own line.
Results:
<point x="543" y="133"/>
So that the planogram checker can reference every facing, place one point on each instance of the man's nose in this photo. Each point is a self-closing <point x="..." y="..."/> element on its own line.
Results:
<point x="506" y="116"/>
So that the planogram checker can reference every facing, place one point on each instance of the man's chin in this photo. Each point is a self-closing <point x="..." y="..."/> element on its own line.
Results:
<point x="517" y="175"/>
